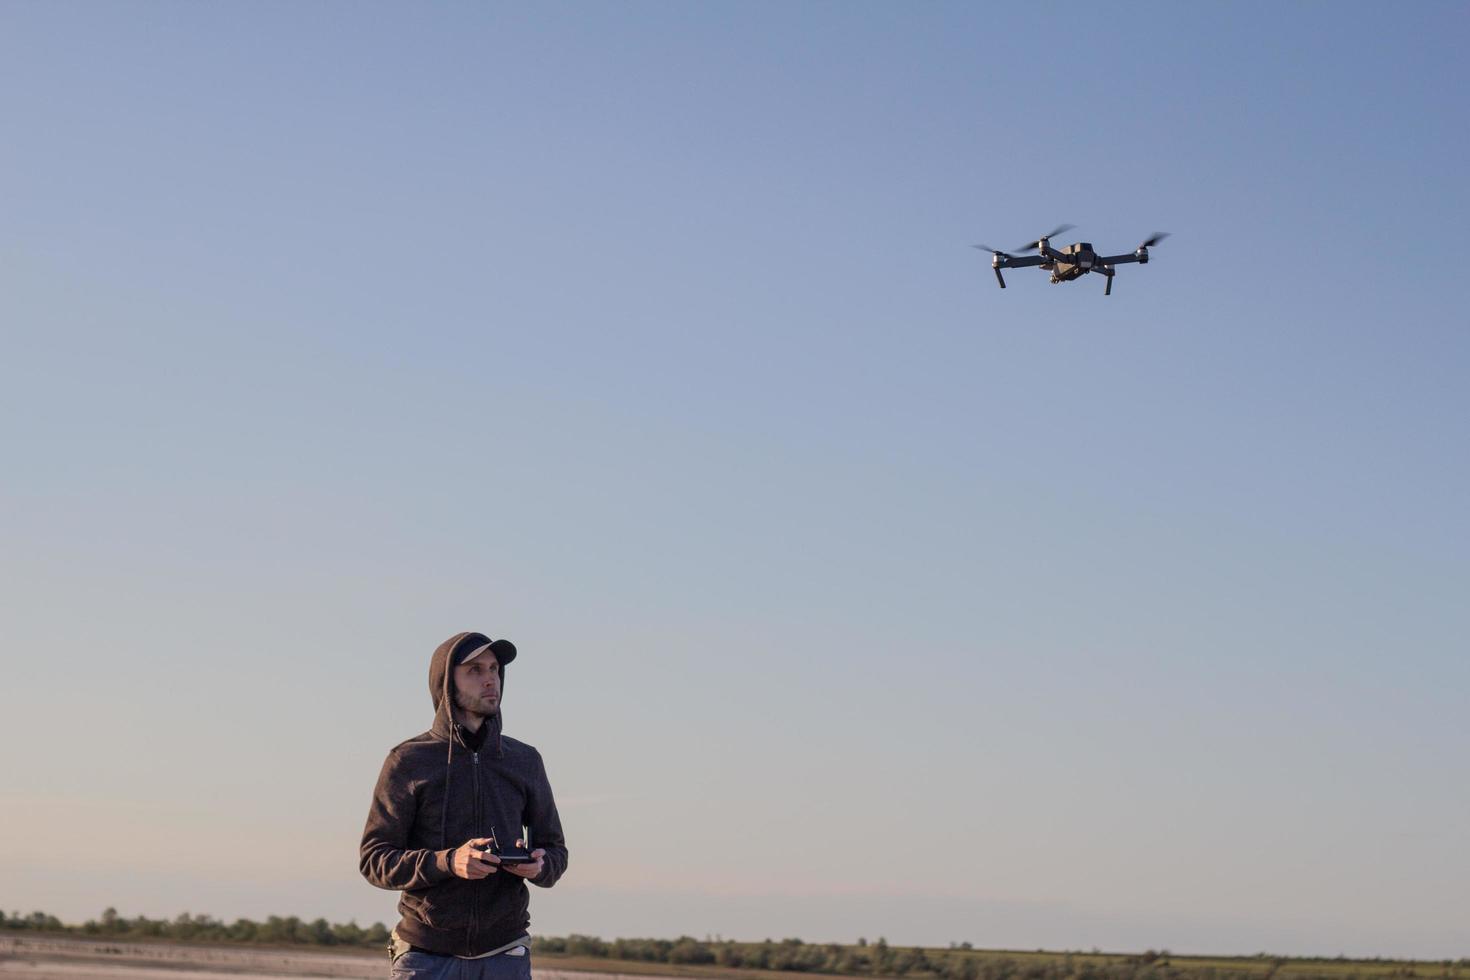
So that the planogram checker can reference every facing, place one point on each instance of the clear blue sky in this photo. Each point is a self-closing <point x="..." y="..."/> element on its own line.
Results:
<point x="649" y="336"/>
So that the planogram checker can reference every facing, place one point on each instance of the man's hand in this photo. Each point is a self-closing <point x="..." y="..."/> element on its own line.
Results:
<point x="472" y="860"/>
<point x="531" y="868"/>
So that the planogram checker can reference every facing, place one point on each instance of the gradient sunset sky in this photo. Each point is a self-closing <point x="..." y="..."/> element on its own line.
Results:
<point x="855" y="596"/>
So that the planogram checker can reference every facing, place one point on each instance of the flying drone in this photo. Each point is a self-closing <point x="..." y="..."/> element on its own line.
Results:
<point x="1070" y="262"/>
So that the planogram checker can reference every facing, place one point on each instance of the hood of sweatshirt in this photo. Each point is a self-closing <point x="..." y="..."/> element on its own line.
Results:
<point x="441" y="682"/>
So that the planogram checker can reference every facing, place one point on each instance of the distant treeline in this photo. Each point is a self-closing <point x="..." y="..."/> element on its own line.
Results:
<point x="959" y="962"/>
<point x="275" y="931"/>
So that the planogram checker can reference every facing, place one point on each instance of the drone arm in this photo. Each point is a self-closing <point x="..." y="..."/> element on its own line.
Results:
<point x="1004" y="260"/>
<point x="1119" y="259"/>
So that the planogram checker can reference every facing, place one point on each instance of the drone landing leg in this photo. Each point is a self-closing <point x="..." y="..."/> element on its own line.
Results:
<point x="1109" y="290"/>
<point x="998" y="278"/>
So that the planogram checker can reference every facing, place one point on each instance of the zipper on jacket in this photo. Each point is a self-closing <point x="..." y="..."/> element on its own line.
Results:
<point x="475" y="892"/>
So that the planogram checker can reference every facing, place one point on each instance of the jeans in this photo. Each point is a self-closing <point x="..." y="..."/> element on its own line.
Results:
<point x="428" y="966"/>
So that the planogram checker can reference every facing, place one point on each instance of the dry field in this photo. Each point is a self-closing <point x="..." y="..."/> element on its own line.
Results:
<point x="41" y="957"/>
<point x="84" y="959"/>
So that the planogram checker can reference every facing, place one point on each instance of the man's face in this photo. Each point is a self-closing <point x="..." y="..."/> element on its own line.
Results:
<point x="477" y="685"/>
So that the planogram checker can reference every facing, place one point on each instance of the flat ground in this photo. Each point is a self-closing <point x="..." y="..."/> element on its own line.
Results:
<point x="59" y="958"/>
<point x="41" y="957"/>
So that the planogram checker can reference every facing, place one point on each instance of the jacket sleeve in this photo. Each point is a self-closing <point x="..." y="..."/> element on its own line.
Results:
<point x="385" y="858"/>
<point x="545" y="824"/>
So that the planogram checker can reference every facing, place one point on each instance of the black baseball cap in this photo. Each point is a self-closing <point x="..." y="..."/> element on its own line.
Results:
<point x="475" y="644"/>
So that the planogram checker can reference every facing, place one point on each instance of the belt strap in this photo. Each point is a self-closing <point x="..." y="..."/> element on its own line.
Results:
<point x="523" y="943"/>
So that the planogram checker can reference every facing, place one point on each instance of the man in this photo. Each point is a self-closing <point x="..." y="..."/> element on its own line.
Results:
<point x="453" y="808"/>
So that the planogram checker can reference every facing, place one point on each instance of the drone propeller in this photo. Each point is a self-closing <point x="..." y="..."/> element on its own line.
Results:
<point x="1154" y="239"/>
<point x="996" y="263"/>
<point x="1037" y="244"/>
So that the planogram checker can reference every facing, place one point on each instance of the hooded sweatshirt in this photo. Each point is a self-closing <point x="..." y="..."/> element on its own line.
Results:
<point x="433" y="795"/>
